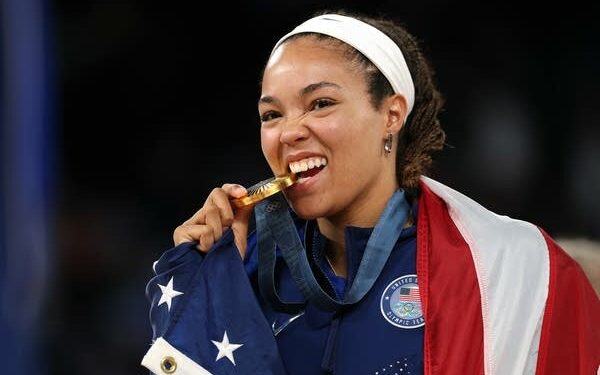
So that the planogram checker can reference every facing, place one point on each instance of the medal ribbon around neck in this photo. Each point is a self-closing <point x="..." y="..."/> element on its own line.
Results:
<point x="276" y="229"/>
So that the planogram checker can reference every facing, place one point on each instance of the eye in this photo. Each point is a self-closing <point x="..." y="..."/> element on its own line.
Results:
<point x="321" y="103"/>
<point x="269" y="115"/>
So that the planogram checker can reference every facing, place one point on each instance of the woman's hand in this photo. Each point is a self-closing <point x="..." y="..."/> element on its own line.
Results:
<point x="216" y="215"/>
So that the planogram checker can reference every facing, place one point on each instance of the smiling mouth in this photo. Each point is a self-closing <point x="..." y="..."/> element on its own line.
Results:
<point x="307" y="168"/>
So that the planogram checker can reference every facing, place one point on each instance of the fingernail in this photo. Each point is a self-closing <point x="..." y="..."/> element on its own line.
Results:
<point x="239" y="190"/>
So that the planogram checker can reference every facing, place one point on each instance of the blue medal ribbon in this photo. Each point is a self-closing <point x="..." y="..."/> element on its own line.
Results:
<point x="276" y="229"/>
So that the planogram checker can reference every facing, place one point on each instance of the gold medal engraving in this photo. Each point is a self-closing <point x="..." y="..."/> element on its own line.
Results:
<point x="264" y="189"/>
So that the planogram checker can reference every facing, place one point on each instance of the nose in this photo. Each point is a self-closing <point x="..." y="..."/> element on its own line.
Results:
<point x="294" y="130"/>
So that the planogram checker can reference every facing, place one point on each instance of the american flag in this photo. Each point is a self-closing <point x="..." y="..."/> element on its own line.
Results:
<point x="205" y="317"/>
<point x="410" y="294"/>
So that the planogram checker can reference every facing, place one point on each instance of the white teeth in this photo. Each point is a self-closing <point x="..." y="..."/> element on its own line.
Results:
<point x="306" y="164"/>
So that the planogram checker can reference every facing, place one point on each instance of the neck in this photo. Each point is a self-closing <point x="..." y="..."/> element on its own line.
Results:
<point x="335" y="254"/>
<point x="362" y="213"/>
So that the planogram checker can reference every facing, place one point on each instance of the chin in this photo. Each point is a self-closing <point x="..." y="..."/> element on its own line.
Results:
<point x="306" y="211"/>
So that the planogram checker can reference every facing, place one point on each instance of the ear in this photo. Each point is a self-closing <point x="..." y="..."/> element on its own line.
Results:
<point x="395" y="107"/>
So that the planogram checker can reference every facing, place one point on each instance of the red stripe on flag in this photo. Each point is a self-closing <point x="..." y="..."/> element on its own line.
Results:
<point x="447" y="278"/>
<point x="570" y="339"/>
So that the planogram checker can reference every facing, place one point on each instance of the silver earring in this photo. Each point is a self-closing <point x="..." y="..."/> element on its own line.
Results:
<point x="387" y="146"/>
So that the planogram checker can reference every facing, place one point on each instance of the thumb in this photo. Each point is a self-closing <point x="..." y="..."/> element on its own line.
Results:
<point x="240" y="228"/>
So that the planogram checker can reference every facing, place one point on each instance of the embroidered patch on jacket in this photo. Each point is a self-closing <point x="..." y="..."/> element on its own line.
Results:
<point x="401" y="303"/>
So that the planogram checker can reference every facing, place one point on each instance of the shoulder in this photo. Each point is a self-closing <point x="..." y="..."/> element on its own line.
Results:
<point x="509" y="255"/>
<point x="476" y="223"/>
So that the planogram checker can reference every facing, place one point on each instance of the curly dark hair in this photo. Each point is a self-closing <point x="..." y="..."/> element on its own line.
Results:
<point x="422" y="134"/>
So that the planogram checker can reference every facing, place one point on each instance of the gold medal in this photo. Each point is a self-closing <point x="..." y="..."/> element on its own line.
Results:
<point x="264" y="189"/>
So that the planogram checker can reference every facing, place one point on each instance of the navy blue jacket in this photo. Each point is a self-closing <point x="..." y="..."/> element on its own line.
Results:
<point x="381" y="334"/>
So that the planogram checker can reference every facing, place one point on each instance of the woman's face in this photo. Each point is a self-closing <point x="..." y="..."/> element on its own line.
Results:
<point x="318" y="121"/>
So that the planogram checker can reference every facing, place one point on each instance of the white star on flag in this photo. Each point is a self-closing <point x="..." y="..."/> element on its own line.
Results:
<point x="168" y="293"/>
<point x="225" y="348"/>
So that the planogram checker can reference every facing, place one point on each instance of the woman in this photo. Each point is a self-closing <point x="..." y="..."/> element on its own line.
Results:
<point x="398" y="273"/>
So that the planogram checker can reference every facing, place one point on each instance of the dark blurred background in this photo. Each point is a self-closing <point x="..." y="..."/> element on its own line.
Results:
<point x="118" y="118"/>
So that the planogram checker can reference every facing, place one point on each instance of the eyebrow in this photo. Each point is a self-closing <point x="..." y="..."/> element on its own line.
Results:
<point x="303" y="92"/>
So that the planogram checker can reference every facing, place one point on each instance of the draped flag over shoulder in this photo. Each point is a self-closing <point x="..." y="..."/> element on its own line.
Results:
<point x="205" y="317"/>
<point x="499" y="297"/>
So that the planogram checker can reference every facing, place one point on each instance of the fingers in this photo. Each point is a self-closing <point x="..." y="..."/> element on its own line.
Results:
<point x="188" y="232"/>
<point x="240" y="229"/>
<point x="234" y="190"/>
<point x="207" y="225"/>
<point x="217" y="219"/>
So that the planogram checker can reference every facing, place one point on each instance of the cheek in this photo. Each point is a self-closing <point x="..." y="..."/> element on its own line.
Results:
<point x="269" y="142"/>
<point x="360" y="142"/>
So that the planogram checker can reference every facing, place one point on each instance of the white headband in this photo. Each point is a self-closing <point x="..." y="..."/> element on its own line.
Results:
<point x="374" y="44"/>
